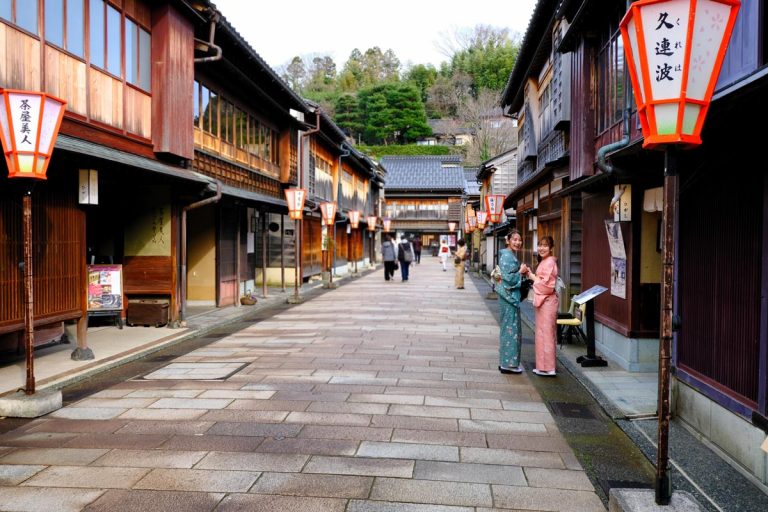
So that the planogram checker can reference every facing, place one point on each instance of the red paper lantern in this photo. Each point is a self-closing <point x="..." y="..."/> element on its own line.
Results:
<point x="494" y="205"/>
<point x="675" y="49"/>
<point x="29" y="125"/>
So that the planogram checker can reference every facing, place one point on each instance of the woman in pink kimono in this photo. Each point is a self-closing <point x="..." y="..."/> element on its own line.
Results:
<point x="545" y="303"/>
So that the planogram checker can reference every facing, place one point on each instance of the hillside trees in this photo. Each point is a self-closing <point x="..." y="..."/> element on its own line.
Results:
<point x="372" y="97"/>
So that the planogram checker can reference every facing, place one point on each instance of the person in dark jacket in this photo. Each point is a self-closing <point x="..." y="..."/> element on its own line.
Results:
<point x="417" y="249"/>
<point x="405" y="256"/>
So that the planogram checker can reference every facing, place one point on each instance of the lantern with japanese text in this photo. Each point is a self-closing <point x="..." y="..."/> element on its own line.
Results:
<point x="29" y="124"/>
<point x="354" y="218"/>
<point x="482" y="219"/>
<point x="469" y="217"/>
<point x="494" y="205"/>
<point x="387" y="224"/>
<point x="328" y="211"/>
<point x="295" y="198"/>
<point x="371" y="220"/>
<point x="451" y="226"/>
<point x="675" y="49"/>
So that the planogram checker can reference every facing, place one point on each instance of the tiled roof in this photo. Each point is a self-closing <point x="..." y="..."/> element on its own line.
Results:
<point x="472" y="186"/>
<point x="423" y="173"/>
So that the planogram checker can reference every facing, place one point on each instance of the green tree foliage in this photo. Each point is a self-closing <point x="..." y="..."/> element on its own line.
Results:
<point x="422" y="77"/>
<point x="392" y="113"/>
<point x="488" y="56"/>
<point x="375" y="101"/>
<point x="347" y="115"/>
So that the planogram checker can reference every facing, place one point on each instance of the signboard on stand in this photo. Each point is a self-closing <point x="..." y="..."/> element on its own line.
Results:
<point x="105" y="288"/>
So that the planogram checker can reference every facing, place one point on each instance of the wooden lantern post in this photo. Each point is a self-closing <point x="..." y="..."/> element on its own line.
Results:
<point x="674" y="50"/>
<point x="29" y="125"/>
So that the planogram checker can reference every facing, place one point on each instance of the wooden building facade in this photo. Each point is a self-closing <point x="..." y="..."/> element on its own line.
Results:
<point x="720" y="359"/>
<point x="187" y="139"/>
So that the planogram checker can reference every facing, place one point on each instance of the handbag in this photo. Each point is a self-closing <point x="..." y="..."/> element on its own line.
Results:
<point x="396" y="265"/>
<point x="457" y="260"/>
<point x="525" y="286"/>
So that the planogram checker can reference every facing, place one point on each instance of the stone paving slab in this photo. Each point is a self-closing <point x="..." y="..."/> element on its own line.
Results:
<point x="394" y="406"/>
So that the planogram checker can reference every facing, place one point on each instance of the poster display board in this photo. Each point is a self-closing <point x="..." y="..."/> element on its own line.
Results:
<point x="105" y="288"/>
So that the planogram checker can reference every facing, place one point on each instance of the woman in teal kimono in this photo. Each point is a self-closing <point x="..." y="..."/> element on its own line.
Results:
<point x="508" y="290"/>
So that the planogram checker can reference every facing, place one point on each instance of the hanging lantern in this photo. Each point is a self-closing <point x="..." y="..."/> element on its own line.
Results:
<point x="29" y="124"/>
<point x="451" y="226"/>
<point x="473" y="223"/>
<point x="371" y="219"/>
<point x="675" y="49"/>
<point x="482" y="219"/>
<point x="354" y="218"/>
<point x="295" y="198"/>
<point x="328" y="211"/>
<point x="494" y="205"/>
<point x="387" y="224"/>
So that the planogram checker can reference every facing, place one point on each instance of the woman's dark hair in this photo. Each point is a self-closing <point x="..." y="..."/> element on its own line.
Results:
<point x="548" y="240"/>
<point x="508" y="237"/>
<point x="461" y="242"/>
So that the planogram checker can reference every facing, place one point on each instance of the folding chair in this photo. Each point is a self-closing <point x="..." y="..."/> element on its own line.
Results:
<point x="569" y="324"/>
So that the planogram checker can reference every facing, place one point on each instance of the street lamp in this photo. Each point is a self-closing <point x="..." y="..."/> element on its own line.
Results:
<point x="354" y="218"/>
<point x="674" y="50"/>
<point x="371" y="220"/>
<point x="494" y="205"/>
<point x="387" y="224"/>
<point x="482" y="219"/>
<point x="328" y="212"/>
<point x="451" y="226"/>
<point x="295" y="198"/>
<point x="29" y="125"/>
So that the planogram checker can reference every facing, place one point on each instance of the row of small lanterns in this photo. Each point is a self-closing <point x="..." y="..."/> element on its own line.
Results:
<point x="295" y="198"/>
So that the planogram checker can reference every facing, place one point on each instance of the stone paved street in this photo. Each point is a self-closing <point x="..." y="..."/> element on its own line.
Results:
<point x="375" y="397"/>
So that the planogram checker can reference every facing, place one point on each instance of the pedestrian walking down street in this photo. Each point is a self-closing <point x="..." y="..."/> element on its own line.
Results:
<point x="545" y="304"/>
<point x="417" y="249"/>
<point x="405" y="256"/>
<point x="508" y="291"/>
<point x="458" y="263"/>
<point x="444" y="253"/>
<point x="389" y="255"/>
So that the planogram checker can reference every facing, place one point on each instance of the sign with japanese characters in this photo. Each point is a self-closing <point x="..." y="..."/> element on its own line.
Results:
<point x="674" y="50"/>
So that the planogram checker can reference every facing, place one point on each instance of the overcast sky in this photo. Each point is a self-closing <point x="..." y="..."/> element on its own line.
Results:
<point x="278" y="30"/>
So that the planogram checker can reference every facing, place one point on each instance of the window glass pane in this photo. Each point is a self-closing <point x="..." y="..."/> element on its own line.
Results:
<point x="131" y="52"/>
<point x="113" y="40"/>
<point x="145" y="58"/>
<point x="97" y="32"/>
<point x="5" y="10"/>
<point x="75" y="29"/>
<point x="214" y="114"/>
<point x="196" y="103"/>
<point x="26" y="16"/>
<point x="54" y="15"/>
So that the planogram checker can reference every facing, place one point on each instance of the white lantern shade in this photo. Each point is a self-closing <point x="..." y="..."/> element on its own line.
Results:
<point x="295" y="198"/>
<point x="29" y="125"/>
<point x="328" y="211"/>
<point x="482" y="219"/>
<point x="354" y="218"/>
<point x="371" y="219"/>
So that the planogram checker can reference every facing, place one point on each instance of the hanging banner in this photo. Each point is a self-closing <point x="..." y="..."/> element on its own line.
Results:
<point x="618" y="259"/>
